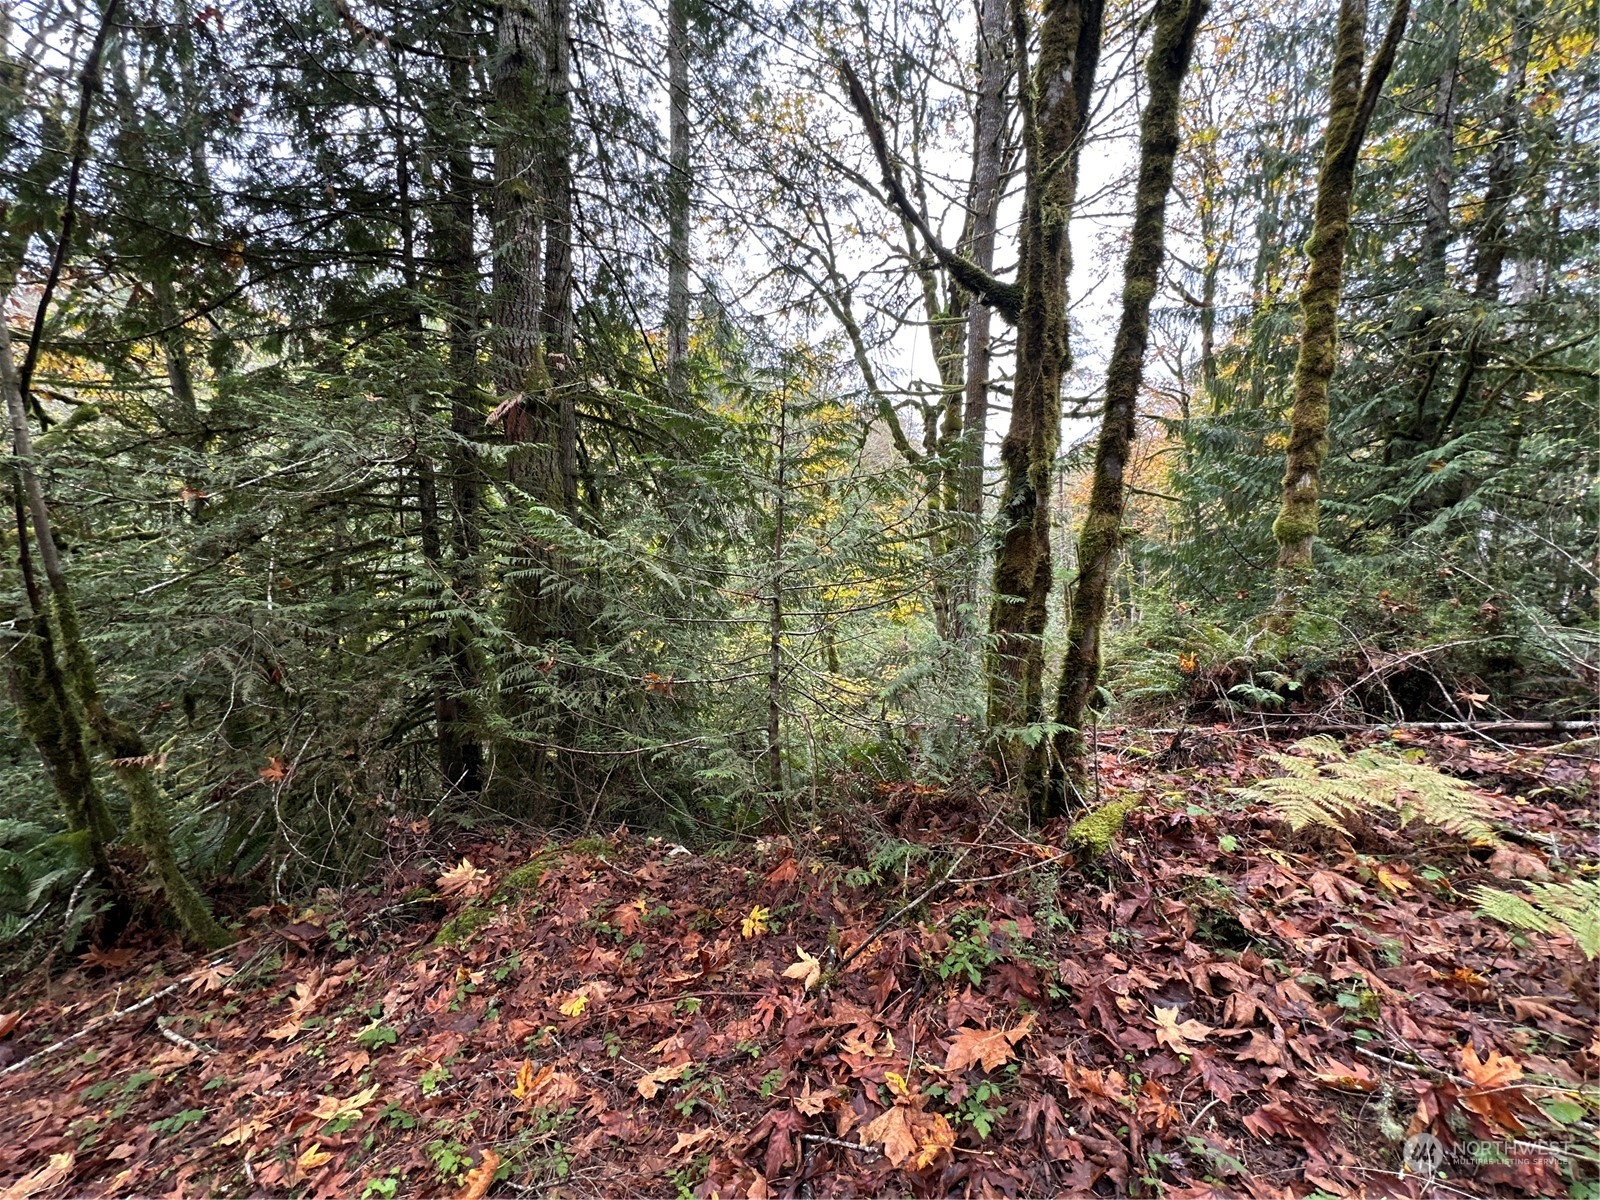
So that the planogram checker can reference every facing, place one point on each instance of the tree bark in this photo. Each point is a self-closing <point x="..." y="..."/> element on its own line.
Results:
<point x="1176" y="24"/>
<point x="679" y="188"/>
<point x="1054" y="119"/>
<point x="131" y="761"/>
<point x="1350" y="107"/>
<point x="988" y="165"/>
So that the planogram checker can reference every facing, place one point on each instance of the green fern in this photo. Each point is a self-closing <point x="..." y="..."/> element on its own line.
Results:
<point x="1573" y="908"/>
<point x="1322" y="785"/>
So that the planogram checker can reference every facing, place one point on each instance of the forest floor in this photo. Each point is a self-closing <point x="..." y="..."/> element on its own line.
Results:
<point x="1217" y="1006"/>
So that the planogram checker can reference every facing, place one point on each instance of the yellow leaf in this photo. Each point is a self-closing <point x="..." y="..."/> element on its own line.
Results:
<point x="524" y="1083"/>
<point x="330" y="1108"/>
<point x="239" y="1134"/>
<point x="756" y="923"/>
<point x="575" y="1006"/>
<point x="650" y="1083"/>
<point x="1179" y="1035"/>
<point x="314" y="1157"/>
<point x="808" y="970"/>
<point x="46" y="1177"/>
<point x="464" y="878"/>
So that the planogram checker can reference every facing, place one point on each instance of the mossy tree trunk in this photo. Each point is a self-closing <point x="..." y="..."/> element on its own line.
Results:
<point x="1176" y="24"/>
<point x="131" y="761"/>
<point x="1055" y="112"/>
<point x="1054" y="103"/>
<point x="1351" y="104"/>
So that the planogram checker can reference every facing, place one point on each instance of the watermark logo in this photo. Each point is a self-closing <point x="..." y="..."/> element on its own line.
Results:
<point x="1423" y="1155"/>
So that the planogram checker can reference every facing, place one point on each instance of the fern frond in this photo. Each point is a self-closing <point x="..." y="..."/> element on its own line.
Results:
<point x="1322" y="785"/>
<point x="1549" y="908"/>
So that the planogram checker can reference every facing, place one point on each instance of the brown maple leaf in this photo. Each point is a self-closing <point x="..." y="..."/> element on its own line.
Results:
<point x="463" y="879"/>
<point x="908" y="1134"/>
<point x="481" y="1178"/>
<point x="991" y="1047"/>
<point x="211" y="978"/>
<point x="9" y="1021"/>
<point x="106" y="960"/>
<point x="1180" y="1036"/>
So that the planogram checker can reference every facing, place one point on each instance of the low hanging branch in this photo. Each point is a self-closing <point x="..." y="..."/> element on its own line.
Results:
<point x="1004" y="298"/>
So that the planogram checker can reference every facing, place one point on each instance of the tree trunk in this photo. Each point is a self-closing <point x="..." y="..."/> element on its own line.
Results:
<point x="1350" y="107"/>
<point x="679" y="182"/>
<point x="988" y="165"/>
<point x="1054" y="119"/>
<point x="1176" y="23"/>
<point x="131" y="761"/>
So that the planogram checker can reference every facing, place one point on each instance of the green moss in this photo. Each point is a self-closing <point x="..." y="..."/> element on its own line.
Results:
<point x="460" y="928"/>
<point x="525" y="880"/>
<point x="1096" y="831"/>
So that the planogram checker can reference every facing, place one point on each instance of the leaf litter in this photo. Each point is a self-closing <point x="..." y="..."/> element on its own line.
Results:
<point x="1217" y="1007"/>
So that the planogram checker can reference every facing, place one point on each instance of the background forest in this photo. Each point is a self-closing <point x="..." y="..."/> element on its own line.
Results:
<point x="575" y="413"/>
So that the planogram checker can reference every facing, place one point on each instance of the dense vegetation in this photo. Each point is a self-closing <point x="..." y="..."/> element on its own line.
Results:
<point x="579" y="414"/>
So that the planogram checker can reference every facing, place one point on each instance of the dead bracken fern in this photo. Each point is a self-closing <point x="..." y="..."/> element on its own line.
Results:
<point x="1572" y="908"/>
<point x="1323" y="785"/>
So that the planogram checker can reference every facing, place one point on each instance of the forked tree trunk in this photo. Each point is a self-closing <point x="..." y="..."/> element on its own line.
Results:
<point x="1055" y="108"/>
<point x="1055" y="114"/>
<point x="1176" y="24"/>
<point x="1350" y="106"/>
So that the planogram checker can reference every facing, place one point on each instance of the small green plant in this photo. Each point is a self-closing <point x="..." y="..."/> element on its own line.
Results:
<point x="434" y="1078"/>
<point x="1322" y="785"/>
<point x="1572" y="908"/>
<point x="771" y="1082"/>
<point x="376" y="1036"/>
<point x="969" y="952"/>
<point x="384" y="1188"/>
<point x="178" y="1121"/>
<point x="450" y="1159"/>
<point x="979" y="1110"/>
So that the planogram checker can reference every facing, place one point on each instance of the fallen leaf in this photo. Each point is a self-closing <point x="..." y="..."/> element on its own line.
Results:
<point x="463" y="879"/>
<point x="650" y="1083"/>
<point x="906" y="1133"/>
<point x="575" y="1006"/>
<point x="755" y="925"/>
<point x="991" y="1047"/>
<point x="211" y="978"/>
<point x="1180" y="1036"/>
<point x="331" y="1108"/>
<point x="480" y="1178"/>
<point x="52" y="1174"/>
<point x="106" y="960"/>
<point x="688" y="1141"/>
<point x="314" y="1157"/>
<point x="9" y="1021"/>
<point x="808" y="970"/>
<point x="239" y="1134"/>
<point x="1344" y="1077"/>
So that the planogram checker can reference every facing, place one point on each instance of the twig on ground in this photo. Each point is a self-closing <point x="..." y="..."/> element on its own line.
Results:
<point x="839" y="1142"/>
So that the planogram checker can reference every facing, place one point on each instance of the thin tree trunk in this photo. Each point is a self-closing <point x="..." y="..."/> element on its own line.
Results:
<point x="988" y="163"/>
<point x="1054" y="120"/>
<point x="679" y="185"/>
<point x="1350" y="107"/>
<point x="131" y="761"/>
<point x="1176" y="23"/>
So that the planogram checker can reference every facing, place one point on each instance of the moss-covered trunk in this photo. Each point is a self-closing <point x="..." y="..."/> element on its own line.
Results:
<point x="120" y="742"/>
<point x="1055" y="109"/>
<point x="1350" y="106"/>
<point x="1176" y="23"/>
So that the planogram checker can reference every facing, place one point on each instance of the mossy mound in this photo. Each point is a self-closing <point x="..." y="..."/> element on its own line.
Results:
<point x="1094" y="832"/>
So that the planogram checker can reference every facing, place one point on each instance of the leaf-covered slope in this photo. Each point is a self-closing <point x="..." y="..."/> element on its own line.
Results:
<point x="1218" y="1005"/>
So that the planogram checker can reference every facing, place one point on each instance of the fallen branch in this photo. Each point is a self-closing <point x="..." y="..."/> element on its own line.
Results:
<point x="96" y="1024"/>
<point x="1287" y="728"/>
